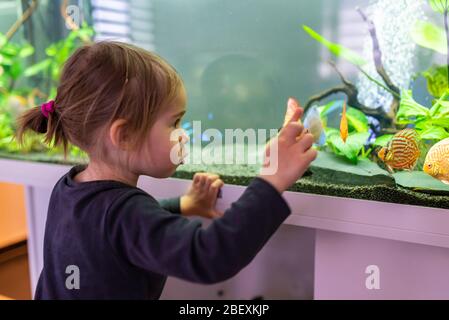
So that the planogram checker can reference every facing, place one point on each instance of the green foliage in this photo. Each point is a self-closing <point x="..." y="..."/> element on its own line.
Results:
<point x="440" y="6"/>
<point x="420" y="181"/>
<point x="357" y="120"/>
<point x="336" y="49"/>
<point x="57" y="53"/>
<point x="352" y="149"/>
<point x="338" y="170"/>
<point x="436" y="77"/>
<point x="383" y="140"/>
<point x="429" y="35"/>
<point x="431" y="124"/>
<point x="13" y="101"/>
<point x="60" y="51"/>
<point x="37" y="68"/>
<point x="358" y="127"/>
<point x="12" y="61"/>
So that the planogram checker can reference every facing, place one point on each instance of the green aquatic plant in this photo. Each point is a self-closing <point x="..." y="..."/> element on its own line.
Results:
<point x="17" y="96"/>
<point x="14" y="94"/>
<point x="57" y="53"/>
<point x="431" y="124"/>
<point x="382" y="141"/>
<point x="345" y="53"/>
<point x="442" y="6"/>
<point x="428" y="35"/>
<point x="12" y="62"/>
<point x="348" y="88"/>
<point x="431" y="36"/>
<point x="357" y="120"/>
<point x="355" y="146"/>
<point x="420" y="181"/>
<point x="436" y="77"/>
<point x="337" y="49"/>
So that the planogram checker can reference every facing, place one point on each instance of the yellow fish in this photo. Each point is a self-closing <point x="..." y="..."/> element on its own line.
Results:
<point x="437" y="161"/>
<point x="312" y="122"/>
<point x="402" y="151"/>
<point x="344" y="124"/>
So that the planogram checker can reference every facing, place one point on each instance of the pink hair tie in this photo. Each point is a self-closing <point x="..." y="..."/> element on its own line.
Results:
<point x="48" y="108"/>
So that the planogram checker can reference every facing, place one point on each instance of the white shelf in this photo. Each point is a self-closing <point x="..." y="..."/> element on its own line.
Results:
<point x="408" y="223"/>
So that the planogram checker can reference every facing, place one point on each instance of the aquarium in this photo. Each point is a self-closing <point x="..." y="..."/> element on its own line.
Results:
<point x="371" y="75"/>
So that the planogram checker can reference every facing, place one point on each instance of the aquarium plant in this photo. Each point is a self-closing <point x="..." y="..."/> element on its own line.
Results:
<point x="16" y="76"/>
<point x="390" y="74"/>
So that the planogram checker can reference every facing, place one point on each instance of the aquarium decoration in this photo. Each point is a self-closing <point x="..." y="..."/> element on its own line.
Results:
<point x="387" y="127"/>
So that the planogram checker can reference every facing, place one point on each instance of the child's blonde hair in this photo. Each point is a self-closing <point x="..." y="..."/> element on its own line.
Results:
<point x="100" y="83"/>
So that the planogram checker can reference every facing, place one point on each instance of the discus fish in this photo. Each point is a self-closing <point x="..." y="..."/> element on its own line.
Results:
<point x="344" y="124"/>
<point x="437" y="161"/>
<point x="312" y="122"/>
<point x="402" y="151"/>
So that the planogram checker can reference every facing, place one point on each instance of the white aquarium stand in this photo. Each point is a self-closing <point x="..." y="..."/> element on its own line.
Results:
<point x="327" y="249"/>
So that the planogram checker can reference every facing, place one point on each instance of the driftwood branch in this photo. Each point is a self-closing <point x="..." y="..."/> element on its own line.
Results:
<point x="351" y="92"/>
<point x="386" y="119"/>
<point x="25" y="16"/>
<point x="323" y="95"/>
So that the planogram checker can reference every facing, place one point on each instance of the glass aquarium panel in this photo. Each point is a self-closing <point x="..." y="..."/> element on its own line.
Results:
<point x="371" y="75"/>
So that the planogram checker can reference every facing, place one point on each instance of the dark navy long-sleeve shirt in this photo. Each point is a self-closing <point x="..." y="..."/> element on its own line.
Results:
<point x="123" y="243"/>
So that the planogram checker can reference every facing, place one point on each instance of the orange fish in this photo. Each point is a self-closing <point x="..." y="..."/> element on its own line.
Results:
<point x="437" y="161"/>
<point x="402" y="151"/>
<point x="344" y="124"/>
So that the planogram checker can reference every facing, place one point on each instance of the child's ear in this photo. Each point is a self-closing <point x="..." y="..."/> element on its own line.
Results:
<point x="117" y="134"/>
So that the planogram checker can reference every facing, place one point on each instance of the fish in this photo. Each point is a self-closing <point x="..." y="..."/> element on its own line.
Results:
<point x="344" y="124"/>
<point x="437" y="161"/>
<point x="402" y="151"/>
<point x="312" y="122"/>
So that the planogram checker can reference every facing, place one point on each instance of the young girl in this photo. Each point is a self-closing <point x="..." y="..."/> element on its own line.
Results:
<point x="120" y="104"/>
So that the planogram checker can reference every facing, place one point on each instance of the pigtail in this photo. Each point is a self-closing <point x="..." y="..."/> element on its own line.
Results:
<point x="40" y="122"/>
<point x="33" y="120"/>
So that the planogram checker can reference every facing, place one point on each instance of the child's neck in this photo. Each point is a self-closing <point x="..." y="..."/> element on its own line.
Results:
<point x="100" y="171"/>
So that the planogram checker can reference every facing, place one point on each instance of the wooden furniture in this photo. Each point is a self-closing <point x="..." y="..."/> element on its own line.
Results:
<point x="14" y="272"/>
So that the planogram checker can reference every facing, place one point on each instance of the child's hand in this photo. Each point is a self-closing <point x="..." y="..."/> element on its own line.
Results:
<point x="294" y="153"/>
<point x="201" y="196"/>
